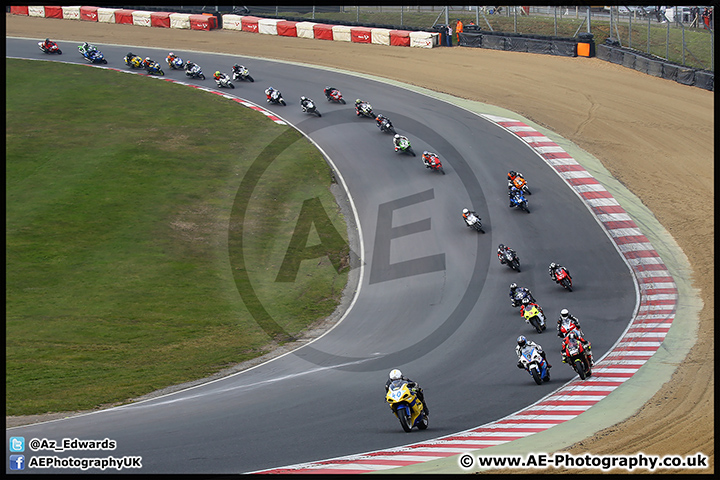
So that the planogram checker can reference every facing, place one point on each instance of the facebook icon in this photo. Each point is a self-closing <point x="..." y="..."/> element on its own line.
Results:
<point x="17" y="462"/>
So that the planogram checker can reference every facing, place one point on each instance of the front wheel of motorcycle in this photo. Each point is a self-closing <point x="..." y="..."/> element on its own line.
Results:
<point x="282" y="102"/>
<point x="404" y="421"/>
<point x="231" y="85"/>
<point x="202" y="76"/>
<point x="536" y="376"/>
<point x="580" y="369"/>
<point x="342" y="100"/>
<point x="250" y="78"/>
<point x="410" y="151"/>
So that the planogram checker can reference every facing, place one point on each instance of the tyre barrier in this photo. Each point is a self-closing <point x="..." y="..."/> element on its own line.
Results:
<point x="339" y="32"/>
<point x="656" y="66"/>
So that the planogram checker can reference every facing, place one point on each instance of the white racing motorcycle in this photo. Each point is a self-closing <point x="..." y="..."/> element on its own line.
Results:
<point x="224" y="81"/>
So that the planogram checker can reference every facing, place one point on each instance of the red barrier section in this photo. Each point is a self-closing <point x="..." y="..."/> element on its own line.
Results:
<point x="22" y="10"/>
<point x="360" y="35"/>
<point x="203" y="22"/>
<point x="250" y="23"/>
<point x="400" y="38"/>
<point x="323" y="31"/>
<point x="89" y="13"/>
<point x="160" y="19"/>
<point x="286" y="28"/>
<point x="124" y="16"/>
<point x="53" y="12"/>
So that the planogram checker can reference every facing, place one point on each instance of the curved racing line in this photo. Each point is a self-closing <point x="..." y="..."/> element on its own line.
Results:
<point x="641" y="339"/>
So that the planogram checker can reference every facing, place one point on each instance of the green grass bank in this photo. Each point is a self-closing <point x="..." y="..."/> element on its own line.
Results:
<point x="122" y="197"/>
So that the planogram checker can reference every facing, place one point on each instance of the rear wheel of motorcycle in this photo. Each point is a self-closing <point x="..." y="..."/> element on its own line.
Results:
<point x="404" y="421"/>
<point x="536" y="376"/>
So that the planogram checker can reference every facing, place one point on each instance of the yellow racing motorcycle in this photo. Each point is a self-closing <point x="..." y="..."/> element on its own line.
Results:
<point x="406" y="405"/>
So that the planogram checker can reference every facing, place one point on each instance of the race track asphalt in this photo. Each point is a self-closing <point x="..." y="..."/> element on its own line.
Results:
<point x="432" y="300"/>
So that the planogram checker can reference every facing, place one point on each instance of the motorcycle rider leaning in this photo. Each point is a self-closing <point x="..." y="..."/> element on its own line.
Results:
<point x="466" y="214"/>
<point x="328" y="91"/>
<point x="556" y="267"/>
<point x="396" y="141"/>
<point x="359" y="105"/>
<point x="526" y="303"/>
<point x="574" y="335"/>
<point x="511" y="193"/>
<point x="379" y="119"/>
<point x="512" y="174"/>
<point x="305" y="101"/>
<point x="522" y="342"/>
<point x="396" y="374"/>
<point x="514" y="289"/>
<point x="566" y="315"/>
<point x="269" y="93"/>
<point x="502" y="250"/>
<point x="47" y="43"/>
<point x="426" y="158"/>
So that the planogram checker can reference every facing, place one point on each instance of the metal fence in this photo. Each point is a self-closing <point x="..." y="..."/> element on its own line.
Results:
<point x="669" y="34"/>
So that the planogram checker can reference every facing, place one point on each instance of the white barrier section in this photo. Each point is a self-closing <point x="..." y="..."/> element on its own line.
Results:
<point x="179" y="20"/>
<point x="268" y="26"/>
<point x="380" y="36"/>
<point x="305" y="29"/>
<point x="71" y="13"/>
<point x="34" y="11"/>
<point x="232" y="21"/>
<point x="341" y="33"/>
<point x="422" y="39"/>
<point x="142" y="18"/>
<point x="106" y="15"/>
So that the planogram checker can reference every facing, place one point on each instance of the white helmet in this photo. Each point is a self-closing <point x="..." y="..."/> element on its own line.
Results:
<point x="553" y="265"/>
<point x="395" y="374"/>
<point x="465" y="211"/>
<point x="564" y="313"/>
<point x="397" y="135"/>
<point x="513" y="286"/>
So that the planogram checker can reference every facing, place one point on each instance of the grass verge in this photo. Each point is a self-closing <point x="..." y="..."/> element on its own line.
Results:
<point x="119" y="193"/>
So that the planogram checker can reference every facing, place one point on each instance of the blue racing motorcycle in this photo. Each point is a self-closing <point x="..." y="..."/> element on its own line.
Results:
<point x="517" y="199"/>
<point x="534" y="364"/>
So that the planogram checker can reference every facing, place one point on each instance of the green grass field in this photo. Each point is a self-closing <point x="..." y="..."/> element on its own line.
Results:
<point x="121" y="196"/>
